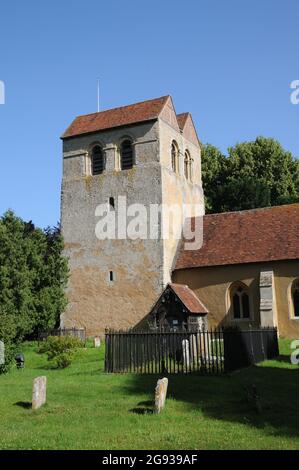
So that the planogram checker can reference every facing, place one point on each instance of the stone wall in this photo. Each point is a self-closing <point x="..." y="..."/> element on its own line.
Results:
<point x="211" y="285"/>
<point x="176" y="189"/>
<point x="140" y="268"/>
<point x="95" y="302"/>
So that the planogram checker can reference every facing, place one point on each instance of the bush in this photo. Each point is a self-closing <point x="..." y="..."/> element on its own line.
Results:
<point x="7" y="335"/>
<point x="9" y="354"/>
<point x="60" y="350"/>
<point x="63" y="360"/>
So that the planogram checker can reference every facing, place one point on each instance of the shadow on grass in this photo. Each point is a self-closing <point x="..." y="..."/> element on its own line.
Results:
<point x="225" y="398"/>
<point x="89" y="373"/>
<point x="282" y="358"/>
<point x="143" y="408"/>
<point x="24" y="404"/>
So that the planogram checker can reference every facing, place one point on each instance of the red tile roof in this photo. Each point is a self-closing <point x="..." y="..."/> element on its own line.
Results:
<point x="251" y="236"/>
<point x="138" y="112"/>
<point x="182" y="118"/>
<point x="189" y="299"/>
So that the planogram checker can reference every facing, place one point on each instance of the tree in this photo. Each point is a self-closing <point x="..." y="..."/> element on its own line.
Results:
<point x="50" y="288"/>
<point x="213" y="175"/>
<point x="259" y="173"/>
<point x="33" y="276"/>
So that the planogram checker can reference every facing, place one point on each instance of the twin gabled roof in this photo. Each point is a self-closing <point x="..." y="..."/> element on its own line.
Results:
<point x="149" y="110"/>
<point x="182" y="119"/>
<point x="250" y="236"/>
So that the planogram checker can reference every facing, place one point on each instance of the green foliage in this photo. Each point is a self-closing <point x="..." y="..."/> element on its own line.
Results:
<point x="55" y="345"/>
<point x="33" y="275"/>
<point x="259" y="173"/>
<point x="7" y="335"/>
<point x="63" y="360"/>
<point x="213" y="176"/>
<point x="60" y="350"/>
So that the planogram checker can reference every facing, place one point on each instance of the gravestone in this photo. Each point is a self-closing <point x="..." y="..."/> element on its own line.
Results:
<point x="186" y="353"/>
<point x="2" y="353"/>
<point x="194" y="341"/>
<point x="97" y="341"/>
<point x="39" y="392"/>
<point x="160" y="394"/>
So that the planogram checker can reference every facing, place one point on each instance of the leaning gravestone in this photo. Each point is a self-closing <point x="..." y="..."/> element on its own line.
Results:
<point x="39" y="392"/>
<point x="186" y="355"/>
<point x="2" y="353"/>
<point x="160" y="394"/>
<point x="97" y="341"/>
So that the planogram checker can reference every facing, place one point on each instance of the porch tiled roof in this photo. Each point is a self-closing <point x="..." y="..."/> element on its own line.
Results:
<point x="189" y="299"/>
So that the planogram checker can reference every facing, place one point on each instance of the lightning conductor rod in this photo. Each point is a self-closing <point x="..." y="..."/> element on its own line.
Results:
<point x="98" y="94"/>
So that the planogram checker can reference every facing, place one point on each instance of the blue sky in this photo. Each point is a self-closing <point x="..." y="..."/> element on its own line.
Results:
<point x="229" y="63"/>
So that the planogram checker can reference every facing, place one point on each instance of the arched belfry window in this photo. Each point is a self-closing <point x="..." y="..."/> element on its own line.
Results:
<point x="175" y="156"/>
<point x="188" y="167"/>
<point x="191" y="168"/>
<point x="295" y="298"/>
<point x="126" y="155"/>
<point x="240" y="304"/>
<point x="97" y="160"/>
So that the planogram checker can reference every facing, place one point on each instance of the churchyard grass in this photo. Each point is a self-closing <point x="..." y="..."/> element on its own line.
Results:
<point x="88" y="409"/>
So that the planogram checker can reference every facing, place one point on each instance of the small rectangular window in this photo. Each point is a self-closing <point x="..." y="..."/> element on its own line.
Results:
<point x="111" y="203"/>
<point x="111" y="277"/>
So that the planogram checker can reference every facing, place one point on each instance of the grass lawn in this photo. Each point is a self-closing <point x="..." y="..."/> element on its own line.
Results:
<point x="88" y="409"/>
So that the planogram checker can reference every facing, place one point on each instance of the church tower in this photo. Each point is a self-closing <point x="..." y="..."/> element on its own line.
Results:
<point x="126" y="160"/>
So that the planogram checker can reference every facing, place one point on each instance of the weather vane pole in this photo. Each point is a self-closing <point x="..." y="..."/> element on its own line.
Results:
<point x="98" y="90"/>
